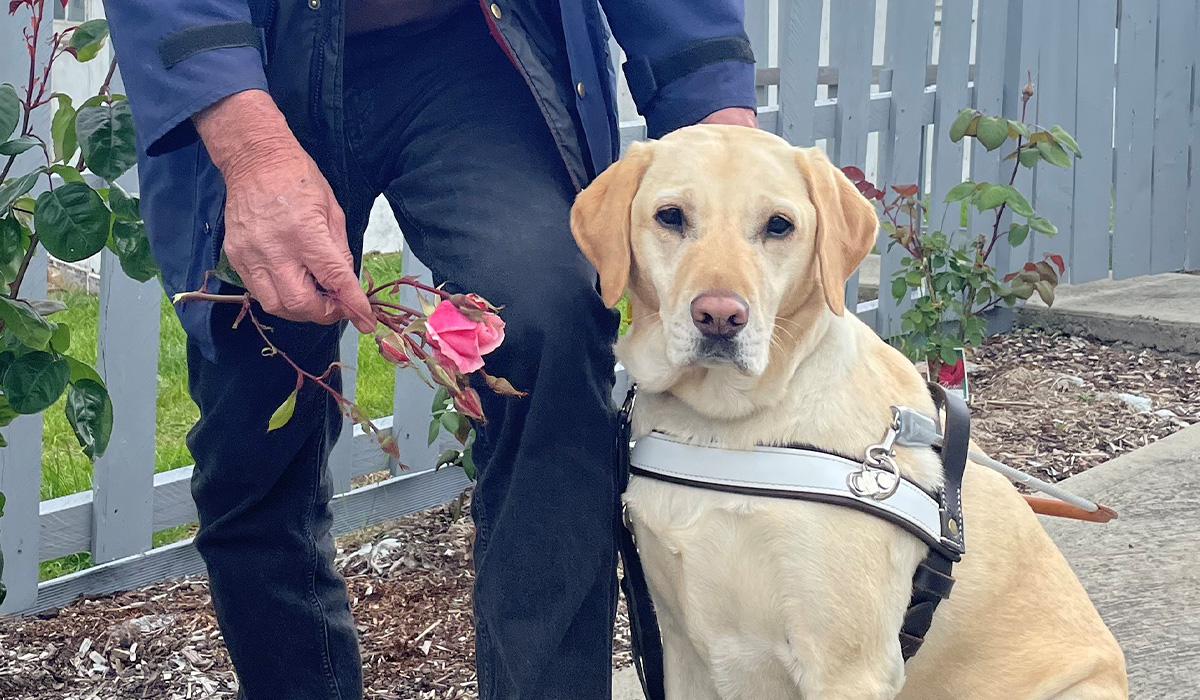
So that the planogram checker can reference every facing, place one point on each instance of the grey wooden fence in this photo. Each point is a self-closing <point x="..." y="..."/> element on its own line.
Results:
<point x="1119" y="75"/>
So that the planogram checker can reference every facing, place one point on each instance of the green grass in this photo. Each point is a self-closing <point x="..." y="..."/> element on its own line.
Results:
<point x="65" y="469"/>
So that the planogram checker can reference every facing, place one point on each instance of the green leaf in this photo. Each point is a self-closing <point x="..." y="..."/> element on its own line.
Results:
<point x="90" y="413"/>
<point x="899" y="289"/>
<point x="450" y="421"/>
<point x="7" y="415"/>
<point x="12" y="248"/>
<point x="16" y="188"/>
<point x="468" y="463"/>
<point x="435" y="427"/>
<point x="1017" y="202"/>
<point x="34" y="381"/>
<point x="62" y="129"/>
<point x="26" y="324"/>
<point x="1045" y="290"/>
<point x="960" y="191"/>
<point x="10" y="110"/>
<point x="80" y="370"/>
<point x="990" y="196"/>
<point x="224" y="271"/>
<point x="949" y="354"/>
<point x="1041" y="225"/>
<point x="283" y="414"/>
<point x="1062" y="137"/>
<point x="18" y="145"/>
<point x="71" y="221"/>
<point x="1017" y="233"/>
<point x="1029" y="157"/>
<point x="105" y="134"/>
<point x="122" y="205"/>
<point x="913" y="278"/>
<point x="1018" y="127"/>
<point x="959" y="128"/>
<point x="3" y="500"/>
<point x="1054" y="154"/>
<point x="132" y="247"/>
<point x="992" y="132"/>
<point x="68" y="173"/>
<point x="60" y="340"/>
<point x="88" y="39"/>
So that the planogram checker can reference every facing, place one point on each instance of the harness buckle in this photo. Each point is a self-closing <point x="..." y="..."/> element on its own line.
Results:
<point x="879" y="477"/>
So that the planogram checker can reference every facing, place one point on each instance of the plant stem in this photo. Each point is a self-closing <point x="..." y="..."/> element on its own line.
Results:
<point x="1012" y="178"/>
<point x="16" y="283"/>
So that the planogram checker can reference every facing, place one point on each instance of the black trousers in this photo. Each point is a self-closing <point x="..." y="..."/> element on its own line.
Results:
<point x="443" y="125"/>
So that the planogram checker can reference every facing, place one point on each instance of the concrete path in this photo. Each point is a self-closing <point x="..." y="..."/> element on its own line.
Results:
<point x="1141" y="570"/>
<point x="1156" y="311"/>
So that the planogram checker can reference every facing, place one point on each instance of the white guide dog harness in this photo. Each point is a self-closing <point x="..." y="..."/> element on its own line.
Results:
<point x="871" y="484"/>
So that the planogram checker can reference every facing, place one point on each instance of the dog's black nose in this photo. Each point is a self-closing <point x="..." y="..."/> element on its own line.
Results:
<point x="720" y="314"/>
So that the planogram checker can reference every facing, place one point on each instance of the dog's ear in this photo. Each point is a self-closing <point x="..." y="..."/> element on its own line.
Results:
<point x="600" y="220"/>
<point x="846" y="224"/>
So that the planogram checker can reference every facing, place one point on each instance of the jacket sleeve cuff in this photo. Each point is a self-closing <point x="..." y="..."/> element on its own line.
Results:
<point x="689" y="99"/>
<point x="164" y="103"/>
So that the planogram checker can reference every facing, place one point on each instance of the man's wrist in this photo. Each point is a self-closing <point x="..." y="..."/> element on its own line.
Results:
<point x="244" y="129"/>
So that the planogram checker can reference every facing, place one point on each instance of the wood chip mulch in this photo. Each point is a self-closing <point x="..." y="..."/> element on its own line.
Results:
<point x="1048" y="404"/>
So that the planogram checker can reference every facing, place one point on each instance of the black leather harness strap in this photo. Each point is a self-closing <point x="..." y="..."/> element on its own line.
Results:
<point x="643" y="623"/>
<point x="932" y="580"/>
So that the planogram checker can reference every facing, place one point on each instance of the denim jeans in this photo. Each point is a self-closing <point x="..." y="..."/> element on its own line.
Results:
<point x="443" y="125"/>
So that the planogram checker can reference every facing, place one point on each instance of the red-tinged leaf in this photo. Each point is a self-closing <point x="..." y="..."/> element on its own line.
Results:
<point x="13" y="5"/>
<point x="1030" y="267"/>
<point x="1058" y="261"/>
<point x="872" y="193"/>
<point x="854" y="173"/>
<point x="862" y="186"/>
<point x="1011" y="276"/>
<point x="906" y="190"/>
<point x="500" y="385"/>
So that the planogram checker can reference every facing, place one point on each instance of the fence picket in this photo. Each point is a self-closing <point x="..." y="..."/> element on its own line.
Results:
<point x="758" y="29"/>
<point x="905" y="55"/>
<point x="993" y="38"/>
<point x="1136" y="45"/>
<point x="954" y="55"/>
<point x="21" y="482"/>
<point x="1092" y="192"/>
<point x="127" y="359"/>
<point x="851" y="30"/>
<point x="799" y="48"/>
<point x="1193" y="205"/>
<point x="21" y="460"/>
<point x="1056" y="106"/>
<point x="1027" y="17"/>
<point x="341" y="458"/>
<point x="1173" y="84"/>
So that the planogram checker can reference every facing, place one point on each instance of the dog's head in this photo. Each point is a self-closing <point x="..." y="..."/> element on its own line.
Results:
<point x="722" y="235"/>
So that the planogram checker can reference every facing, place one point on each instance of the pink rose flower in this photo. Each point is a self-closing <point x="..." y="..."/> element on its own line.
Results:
<point x="458" y="341"/>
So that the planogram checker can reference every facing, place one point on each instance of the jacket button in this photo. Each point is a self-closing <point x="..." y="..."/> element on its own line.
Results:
<point x="314" y="4"/>
<point x="496" y="11"/>
<point x="579" y="89"/>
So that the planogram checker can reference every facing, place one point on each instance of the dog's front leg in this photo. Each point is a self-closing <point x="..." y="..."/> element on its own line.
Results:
<point x="686" y="673"/>
<point x="871" y="674"/>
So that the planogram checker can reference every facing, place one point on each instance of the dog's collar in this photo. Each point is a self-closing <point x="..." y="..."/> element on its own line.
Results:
<point x="788" y="472"/>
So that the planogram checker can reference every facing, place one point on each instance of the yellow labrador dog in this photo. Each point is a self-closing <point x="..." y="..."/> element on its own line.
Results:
<point x="734" y="248"/>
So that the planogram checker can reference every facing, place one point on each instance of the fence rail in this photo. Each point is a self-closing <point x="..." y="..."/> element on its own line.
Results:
<point x="1121" y="76"/>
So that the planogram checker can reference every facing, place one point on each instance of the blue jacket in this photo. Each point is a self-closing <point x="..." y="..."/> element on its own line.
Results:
<point x="687" y="59"/>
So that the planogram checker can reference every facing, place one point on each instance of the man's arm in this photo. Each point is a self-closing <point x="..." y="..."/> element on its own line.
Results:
<point x="689" y="61"/>
<point x="193" y="67"/>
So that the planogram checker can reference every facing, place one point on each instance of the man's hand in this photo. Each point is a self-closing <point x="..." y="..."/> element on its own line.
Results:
<point x="284" y="232"/>
<point x="737" y="116"/>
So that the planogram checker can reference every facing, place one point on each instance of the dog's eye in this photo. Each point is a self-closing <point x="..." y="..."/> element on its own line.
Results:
<point x="778" y="227"/>
<point x="670" y="217"/>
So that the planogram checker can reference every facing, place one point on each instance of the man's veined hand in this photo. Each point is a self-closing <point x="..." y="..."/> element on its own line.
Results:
<point x="285" y="233"/>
